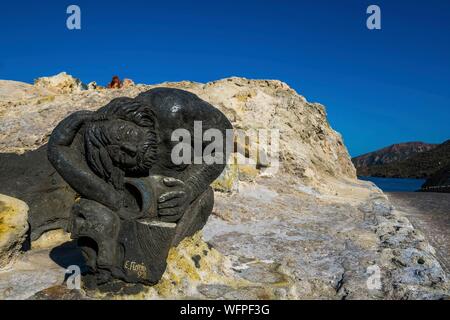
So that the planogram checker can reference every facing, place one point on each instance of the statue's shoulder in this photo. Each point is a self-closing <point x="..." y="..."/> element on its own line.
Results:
<point x="172" y="101"/>
<point x="164" y="92"/>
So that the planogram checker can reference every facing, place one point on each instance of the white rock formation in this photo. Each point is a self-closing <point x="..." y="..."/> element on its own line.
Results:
<point x="127" y="83"/>
<point x="92" y="85"/>
<point x="60" y="83"/>
<point x="19" y="91"/>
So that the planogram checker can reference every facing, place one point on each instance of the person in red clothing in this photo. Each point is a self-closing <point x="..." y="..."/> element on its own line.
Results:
<point x="115" y="83"/>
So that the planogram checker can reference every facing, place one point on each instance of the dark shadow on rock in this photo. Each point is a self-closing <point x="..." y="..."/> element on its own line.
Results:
<point x="68" y="254"/>
<point x="30" y="177"/>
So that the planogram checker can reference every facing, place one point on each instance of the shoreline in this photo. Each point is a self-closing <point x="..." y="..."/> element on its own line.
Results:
<point x="429" y="212"/>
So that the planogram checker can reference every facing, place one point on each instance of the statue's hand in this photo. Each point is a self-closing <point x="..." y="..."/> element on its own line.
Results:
<point x="173" y="203"/>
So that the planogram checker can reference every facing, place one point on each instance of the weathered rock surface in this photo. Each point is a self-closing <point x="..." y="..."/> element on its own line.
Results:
<point x="327" y="245"/>
<point x="430" y="213"/>
<point x="50" y="239"/>
<point x="127" y="83"/>
<point x="13" y="228"/>
<point x="269" y="242"/>
<point x="309" y="231"/>
<point x="14" y="91"/>
<point x="60" y="83"/>
<point x="37" y="270"/>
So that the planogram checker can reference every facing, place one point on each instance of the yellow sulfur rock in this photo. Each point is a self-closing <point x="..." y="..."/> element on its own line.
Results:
<point x="13" y="228"/>
<point x="197" y="271"/>
<point x="228" y="181"/>
<point x="248" y="172"/>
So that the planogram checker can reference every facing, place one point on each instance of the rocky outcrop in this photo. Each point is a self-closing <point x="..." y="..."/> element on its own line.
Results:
<point x="309" y="147"/>
<point x="61" y="83"/>
<point x="127" y="83"/>
<point x="13" y="228"/>
<point x="13" y="92"/>
<point x="308" y="230"/>
<point x="92" y="85"/>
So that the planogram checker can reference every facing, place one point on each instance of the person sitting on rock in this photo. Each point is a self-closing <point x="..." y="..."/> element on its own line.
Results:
<point x="115" y="83"/>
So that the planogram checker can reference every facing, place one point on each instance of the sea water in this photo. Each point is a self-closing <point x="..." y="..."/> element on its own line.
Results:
<point x="395" y="184"/>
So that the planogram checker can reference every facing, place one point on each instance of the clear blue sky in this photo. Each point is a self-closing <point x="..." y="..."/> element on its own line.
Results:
<point x="379" y="87"/>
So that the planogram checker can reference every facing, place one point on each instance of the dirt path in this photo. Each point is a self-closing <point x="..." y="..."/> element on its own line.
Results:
<point x="430" y="213"/>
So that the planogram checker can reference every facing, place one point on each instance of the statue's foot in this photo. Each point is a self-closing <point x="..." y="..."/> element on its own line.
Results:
<point x="112" y="286"/>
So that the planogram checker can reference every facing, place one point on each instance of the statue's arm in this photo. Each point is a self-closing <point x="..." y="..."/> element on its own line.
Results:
<point x="70" y="164"/>
<point x="202" y="175"/>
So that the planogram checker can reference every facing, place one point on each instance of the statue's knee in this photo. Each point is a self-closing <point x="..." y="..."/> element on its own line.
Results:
<point x="92" y="217"/>
<point x="96" y="229"/>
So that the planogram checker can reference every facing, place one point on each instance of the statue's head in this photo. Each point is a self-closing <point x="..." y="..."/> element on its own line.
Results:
<point x="121" y="140"/>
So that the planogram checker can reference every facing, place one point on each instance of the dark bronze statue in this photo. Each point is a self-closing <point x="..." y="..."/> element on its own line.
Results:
<point x="135" y="202"/>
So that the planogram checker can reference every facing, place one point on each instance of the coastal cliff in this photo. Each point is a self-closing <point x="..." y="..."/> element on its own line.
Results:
<point x="408" y="160"/>
<point x="394" y="153"/>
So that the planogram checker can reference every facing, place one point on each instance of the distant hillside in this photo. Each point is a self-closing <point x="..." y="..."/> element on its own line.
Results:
<point x="420" y="165"/>
<point x="439" y="182"/>
<point x="393" y="153"/>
